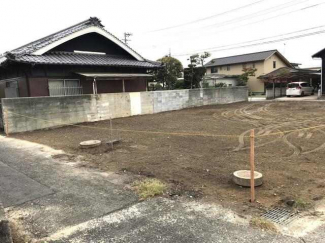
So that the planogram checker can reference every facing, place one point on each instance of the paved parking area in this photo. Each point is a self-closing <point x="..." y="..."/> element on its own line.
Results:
<point x="298" y="98"/>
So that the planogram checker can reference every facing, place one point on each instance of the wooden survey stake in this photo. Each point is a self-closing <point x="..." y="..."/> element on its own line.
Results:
<point x="252" y="162"/>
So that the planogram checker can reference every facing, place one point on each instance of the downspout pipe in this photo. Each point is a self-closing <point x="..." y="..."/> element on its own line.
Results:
<point x="94" y="86"/>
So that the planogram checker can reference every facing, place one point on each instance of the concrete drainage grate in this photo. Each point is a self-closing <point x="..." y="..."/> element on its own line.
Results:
<point x="281" y="216"/>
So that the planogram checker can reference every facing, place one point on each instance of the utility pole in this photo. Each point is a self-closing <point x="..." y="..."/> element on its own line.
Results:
<point x="193" y="61"/>
<point x="126" y="36"/>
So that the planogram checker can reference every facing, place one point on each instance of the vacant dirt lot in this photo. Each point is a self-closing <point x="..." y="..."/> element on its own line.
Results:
<point x="201" y="166"/>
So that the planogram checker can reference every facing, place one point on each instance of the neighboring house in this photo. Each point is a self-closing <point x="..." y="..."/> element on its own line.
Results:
<point x="321" y="54"/>
<point x="214" y="79"/>
<point x="82" y="59"/>
<point x="264" y="62"/>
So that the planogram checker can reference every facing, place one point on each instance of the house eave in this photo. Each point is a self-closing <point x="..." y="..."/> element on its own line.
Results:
<point x="318" y="54"/>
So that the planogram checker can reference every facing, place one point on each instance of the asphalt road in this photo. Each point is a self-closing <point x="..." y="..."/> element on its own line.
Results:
<point x="58" y="201"/>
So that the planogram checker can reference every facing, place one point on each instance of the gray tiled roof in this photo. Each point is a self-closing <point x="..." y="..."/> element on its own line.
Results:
<point x="24" y="53"/>
<point x="251" y="57"/>
<point x="38" y="44"/>
<point x="70" y="58"/>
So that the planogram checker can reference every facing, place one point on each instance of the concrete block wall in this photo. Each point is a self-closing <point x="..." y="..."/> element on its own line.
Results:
<point x="170" y="100"/>
<point x="28" y="114"/>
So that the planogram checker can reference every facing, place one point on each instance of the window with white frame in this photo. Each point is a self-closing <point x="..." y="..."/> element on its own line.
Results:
<point x="64" y="87"/>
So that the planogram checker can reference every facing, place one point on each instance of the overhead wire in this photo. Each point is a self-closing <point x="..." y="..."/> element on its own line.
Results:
<point x="240" y="43"/>
<point x="262" y="43"/>
<point x="206" y="18"/>
<point x="255" y="22"/>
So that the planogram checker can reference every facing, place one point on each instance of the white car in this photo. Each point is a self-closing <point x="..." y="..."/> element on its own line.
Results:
<point x="299" y="89"/>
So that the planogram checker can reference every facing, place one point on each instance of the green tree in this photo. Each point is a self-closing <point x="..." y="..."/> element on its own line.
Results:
<point x="195" y="74"/>
<point x="193" y="77"/>
<point x="202" y="58"/>
<point x="168" y="75"/>
<point x="243" y="78"/>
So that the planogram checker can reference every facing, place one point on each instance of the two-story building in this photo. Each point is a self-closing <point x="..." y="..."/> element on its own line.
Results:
<point x="227" y="69"/>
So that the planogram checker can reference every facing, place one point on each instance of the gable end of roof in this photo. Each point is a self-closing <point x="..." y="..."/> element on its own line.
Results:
<point x="93" y="24"/>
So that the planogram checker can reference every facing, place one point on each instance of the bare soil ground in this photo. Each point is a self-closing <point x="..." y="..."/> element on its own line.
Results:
<point x="292" y="163"/>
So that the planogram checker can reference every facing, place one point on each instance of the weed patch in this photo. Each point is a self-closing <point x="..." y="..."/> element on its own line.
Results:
<point x="263" y="224"/>
<point x="149" y="188"/>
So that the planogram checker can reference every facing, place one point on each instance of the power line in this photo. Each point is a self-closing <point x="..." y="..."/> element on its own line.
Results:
<point x="206" y="18"/>
<point x="272" y="17"/>
<point x="261" y="12"/>
<point x="262" y="20"/>
<point x="258" y="13"/>
<point x="249" y="16"/>
<point x="294" y="32"/>
<point x="263" y="43"/>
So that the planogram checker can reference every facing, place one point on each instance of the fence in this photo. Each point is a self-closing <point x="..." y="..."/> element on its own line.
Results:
<point x="65" y="110"/>
<point x="278" y="92"/>
<point x="64" y="91"/>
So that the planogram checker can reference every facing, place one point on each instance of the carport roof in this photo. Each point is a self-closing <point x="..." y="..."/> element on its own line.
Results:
<point x="319" y="54"/>
<point x="287" y="73"/>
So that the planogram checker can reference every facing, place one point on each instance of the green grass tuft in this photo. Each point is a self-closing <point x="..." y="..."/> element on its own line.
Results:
<point x="301" y="204"/>
<point x="149" y="188"/>
<point x="263" y="224"/>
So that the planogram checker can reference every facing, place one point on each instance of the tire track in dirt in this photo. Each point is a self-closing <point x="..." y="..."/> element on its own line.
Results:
<point x="296" y="149"/>
<point x="256" y="117"/>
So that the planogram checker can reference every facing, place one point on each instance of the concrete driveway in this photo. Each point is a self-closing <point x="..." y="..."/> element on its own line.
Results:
<point x="56" y="200"/>
<point x="298" y="98"/>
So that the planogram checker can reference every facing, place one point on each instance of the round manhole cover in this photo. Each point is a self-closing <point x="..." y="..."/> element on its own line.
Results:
<point x="243" y="177"/>
<point x="90" y="143"/>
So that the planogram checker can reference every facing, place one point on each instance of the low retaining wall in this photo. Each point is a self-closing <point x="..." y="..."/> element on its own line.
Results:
<point x="278" y="93"/>
<point x="57" y="111"/>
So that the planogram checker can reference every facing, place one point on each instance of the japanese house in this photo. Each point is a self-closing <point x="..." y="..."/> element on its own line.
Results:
<point x="82" y="59"/>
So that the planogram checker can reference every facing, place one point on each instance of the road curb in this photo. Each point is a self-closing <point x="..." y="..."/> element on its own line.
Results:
<point x="5" y="234"/>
